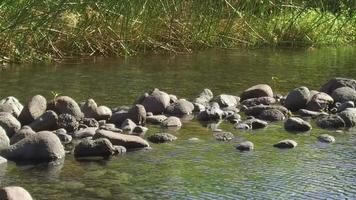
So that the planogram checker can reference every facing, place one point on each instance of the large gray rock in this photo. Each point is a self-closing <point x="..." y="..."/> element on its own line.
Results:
<point x="180" y="107"/>
<point x="204" y="97"/>
<point x="119" y="117"/>
<point x="91" y="109"/>
<point x="214" y="113"/>
<point x="139" y="131"/>
<point x="245" y="146"/>
<point x="86" y="132"/>
<point x="309" y="113"/>
<point x="4" y="140"/>
<point x="258" y="101"/>
<point x="11" y="105"/>
<point x="67" y="105"/>
<point x="63" y="136"/>
<point x="24" y="132"/>
<point x="47" y="121"/>
<point x="68" y="122"/>
<point x="103" y="113"/>
<point x="260" y="90"/>
<point x="271" y="115"/>
<point x="137" y="114"/>
<point x="344" y="94"/>
<point x="156" y="102"/>
<point x="172" y="122"/>
<point x="225" y="100"/>
<point x="297" y="99"/>
<point x="335" y="83"/>
<point x="156" y="119"/>
<point x="99" y="147"/>
<point x="320" y="102"/>
<point x="257" y="110"/>
<point x="35" y="107"/>
<point x="330" y="122"/>
<point x="128" y="125"/>
<point x="14" y="193"/>
<point x="286" y="144"/>
<point x="349" y="117"/>
<point x="297" y="124"/>
<point x="43" y="146"/>
<point x="128" y="141"/>
<point x="9" y="123"/>
<point x="161" y="138"/>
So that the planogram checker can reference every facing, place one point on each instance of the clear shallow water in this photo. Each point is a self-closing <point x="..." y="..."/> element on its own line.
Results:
<point x="206" y="169"/>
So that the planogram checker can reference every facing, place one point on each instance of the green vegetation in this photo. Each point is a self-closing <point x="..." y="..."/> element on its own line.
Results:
<point x="32" y="30"/>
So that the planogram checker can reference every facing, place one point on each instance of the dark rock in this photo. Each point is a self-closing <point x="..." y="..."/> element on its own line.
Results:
<point x="86" y="132"/>
<point x="128" y="125"/>
<point x="63" y="136"/>
<point x="258" y="101"/>
<point x="346" y="104"/>
<point x="214" y="113"/>
<point x="14" y="193"/>
<point x="297" y="124"/>
<point x="24" y="132"/>
<point x="286" y="144"/>
<point x="330" y="122"/>
<point x="156" y="119"/>
<point x="68" y="122"/>
<point x="137" y="114"/>
<point x="335" y="83"/>
<point x="43" y="146"/>
<point x="67" y="105"/>
<point x="119" y="117"/>
<point x="271" y="115"/>
<point x="326" y="138"/>
<point x="309" y="113"/>
<point x="180" y="107"/>
<point x="99" y="147"/>
<point x="4" y="140"/>
<point x="260" y="90"/>
<point x="90" y="122"/>
<point x="198" y="107"/>
<point x="349" y="117"/>
<point x="156" y="102"/>
<point x="11" y="105"/>
<point x="223" y="136"/>
<point x="9" y="123"/>
<point x="297" y="99"/>
<point x="161" y="138"/>
<point x="47" y="121"/>
<point x="205" y="97"/>
<point x="225" y="100"/>
<point x="234" y="118"/>
<point x="320" y="102"/>
<point x="257" y="110"/>
<point x="172" y="122"/>
<point x="128" y="141"/>
<point x="36" y="106"/>
<point x="139" y="131"/>
<point x="344" y="94"/>
<point x="255" y="123"/>
<point x="245" y="146"/>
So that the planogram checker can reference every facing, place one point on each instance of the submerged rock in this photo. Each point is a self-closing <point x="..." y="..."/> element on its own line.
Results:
<point x="260" y="90"/>
<point x="14" y="193"/>
<point x="286" y="144"/>
<point x="36" y="106"/>
<point x="326" y="138"/>
<point x="245" y="146"/>
<point x="297" y="124"/>
<point x="161" y="138"/>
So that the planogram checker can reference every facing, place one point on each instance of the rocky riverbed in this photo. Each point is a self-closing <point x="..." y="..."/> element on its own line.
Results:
<point x="47" y="129"/>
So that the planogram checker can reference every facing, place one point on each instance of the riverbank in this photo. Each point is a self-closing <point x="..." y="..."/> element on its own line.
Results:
<point x="53" y="31"/>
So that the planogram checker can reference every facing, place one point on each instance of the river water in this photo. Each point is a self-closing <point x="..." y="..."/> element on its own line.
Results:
<point x="205" y="169"/>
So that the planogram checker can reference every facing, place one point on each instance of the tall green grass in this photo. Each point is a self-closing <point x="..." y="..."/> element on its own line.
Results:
<point x="32" y="30"/>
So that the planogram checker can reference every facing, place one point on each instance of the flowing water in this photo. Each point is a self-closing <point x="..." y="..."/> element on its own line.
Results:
<point x="204" y="169"/>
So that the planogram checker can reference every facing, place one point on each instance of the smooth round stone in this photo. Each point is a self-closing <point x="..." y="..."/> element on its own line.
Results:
<point x="286" y="144"/>
<point x="245" y="146"/>
<point x="326" y="138"/>
<point x="162" y="138"/>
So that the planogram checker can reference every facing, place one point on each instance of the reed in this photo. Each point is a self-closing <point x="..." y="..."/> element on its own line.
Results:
<point x="38" y="31"/>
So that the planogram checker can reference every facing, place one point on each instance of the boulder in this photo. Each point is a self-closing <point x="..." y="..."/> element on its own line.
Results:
<point x="326" y="138"/>
<point x="24" y="132"/>
<point x="223" y="136"/>
<point x="258" y="101"/>
<point x="128" y="125"/>
<point x="234" y="118"/>
<point x="99" y="147"/>
<point x="344" y="94"/>
<point x="4" y="140"/>
<point x="128" y="141"/>
<point x="110" y="127"/>
<point x="271" y="115"/>
<point x="63" y="136"/>
<point x="255" y="123"/>
<point x="68" y="122"/>
<point x="242" y="126"/>
<point x="137" y="114"/>
<point x="90" y="122"/>
<point x="180" y="107"/>
<point x="89" y="109"/>
<point x="214" y="113"/>
<point x="320" y="102"/>
<point x="297" y="124"/>
<point x="349" y="117"/>
<point x="156" y="102"/>
<point x="198" y="107"/>
<point x="297" y="99"/>
<point x="161" y="138"/>
<point x="171" y="122"/>
<point x="14" y="193"/>
<point x="335" y="83"/>
<point x="43" y="146"/>
<point x="86" y="132"/>
<point x="35" y="107"/>
<point x="173" y="98"/>
<point x="9" y="123"/>
<point x="245" y="146"/>
<point x="257" y="110"/>
<point x="139" y="131"/>
<point x="156" y="119"/>
<point x="344" y="105"/>
<point x="260" y="90"/>
<point x="2" y="161"/>
<point x="225" y="100"/>
<point x="119" y="117"/>
<point x="67" y="105"/>
<point x="309" y="113"/>
<point x="47" y="121"/>
<point x="103" y="113"/>
<point x="11" y="105"/>
<point x="330" y="122"/>
<point x="286" y="144"/>
<point x="204" y="97"/>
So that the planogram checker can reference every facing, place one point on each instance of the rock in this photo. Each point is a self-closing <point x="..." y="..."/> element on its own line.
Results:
<point x="330" y="122"/>
<point x="86" y="132"/>
<point x="119" y="117"/>
<point x="309" y="113"/>
<point x="260" y="90"/>
<point x="245" y="146"/>
<point x="257" y="110"/>
<point x="119" y="150"/>
<point x="63" y="136"/>
<point x="161" y="138"/>
<point x="320" y="102"/>
<point x="335" y="83"/>
<point x="67" y="105"/>
<point x="180" y="107"/>
<point x="223" y="136"/>
<point x="255" y="123"/>
<point x="242" y="126"/>
<point x="2" y="160"/>
<point x="99" y="147"/>
<point x="4" y="140"/>
<point x="326" y="138"/>
<point x="297" y="124"/>
<point x="349" y="117"/>
<point x="35" y="107"/>
<point x="24" y="132"/>
<point x="205" y="97"/>
<point x="194" y="139"/>
<point x="214" y="113"/>
<point x="286" y="144"/>
<point x="89" y="109"/>
<point x="297" y="99"/>
<point x="139" y="131"/>
<point x="172" y="122"/>
<point x="344" y="94"/>
<point x="156" y="119"/>
<point x="111" y="127"/>
<point x="198" y="107"/>
<point x="156" y="102"/>
<point x="103" y="113"/>
<point x="68" y="122"/>
<point x="234" y="118"/>
<point x="14" y="193"/>
<point x="9" y="123"/>
<point x="225" y="100"/>
<point x="11" y="105"/>
<point x="90" y="122"/>
<point x="128" y="141"/>
<point x="137" y="114"/>
<point x="43" y="146"/>
<point x="172" y="98"/>
<point x="271" y="115"/>
<point x="128" y="125"/>
<point x="346" y="104"/>
<point x="47" y="121"/>
<point x="257" y="101"/>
